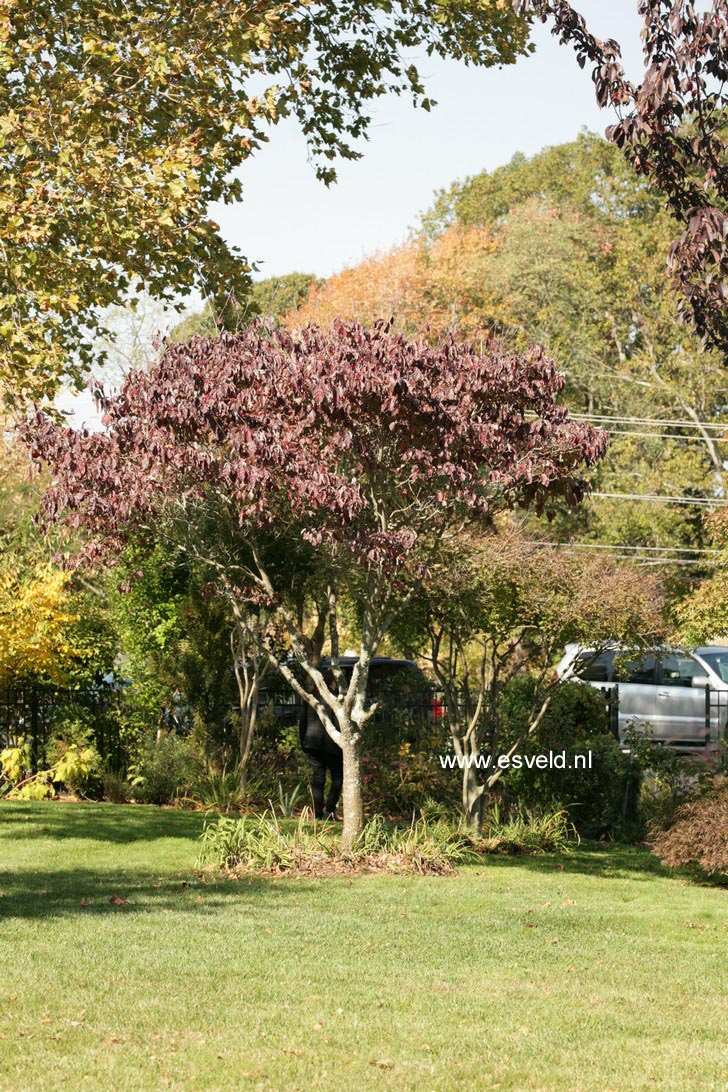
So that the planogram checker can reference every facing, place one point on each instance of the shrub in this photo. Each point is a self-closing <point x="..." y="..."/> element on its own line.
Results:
<point x="598" y="800"/>
<point x="75" y="765"/>
<point x="15" y="763"/>
<point x="115" y="788"/>
<point x="166" y="770"/>
<point x="699" y="835"/>
<point x="668" y="779"/>
<point x="74" y="760"/>
<point x="399" y="785"/>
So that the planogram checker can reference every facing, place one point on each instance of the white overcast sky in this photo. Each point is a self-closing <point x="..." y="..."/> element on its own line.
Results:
<point x="288" y="221"/>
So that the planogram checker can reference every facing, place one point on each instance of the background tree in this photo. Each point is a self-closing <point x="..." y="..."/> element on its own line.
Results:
<point x="269" y="298"/>
<point x="701" y="616"/>
<point x="671" y="129"/>
<point x="366" y="448"/>
<point x="48" y="633"/>
<point x="121" y="124"/>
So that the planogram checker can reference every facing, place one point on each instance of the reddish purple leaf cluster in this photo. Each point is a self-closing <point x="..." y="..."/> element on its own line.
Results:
<point x="353" y="437"/>
<point x="673" y="131"/>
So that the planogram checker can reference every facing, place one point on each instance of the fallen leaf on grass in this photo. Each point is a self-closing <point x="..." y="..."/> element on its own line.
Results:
<point x="116" y="900"/>
<point x="569" y="902"/>
<point x="84" y="903"/>
<point x="553" y="940"/>
<point x="383" y="1064"/>
<point x="292" y="1050"/>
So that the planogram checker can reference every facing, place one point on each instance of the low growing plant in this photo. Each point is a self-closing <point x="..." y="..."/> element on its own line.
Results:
<point x="289" y="801"/>
<point x="260" y="843"/>
<point x="698" y="837"/>
<point x="166" y="771"/>
<point x="265" y="843"/>
<point x="528" y="833"/>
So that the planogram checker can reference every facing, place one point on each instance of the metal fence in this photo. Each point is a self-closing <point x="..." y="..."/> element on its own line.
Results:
<point x="714" y="724"/>
<point x="416" y="718"/>
<point x="716" y="714"/>
<point x="31" y="710"/>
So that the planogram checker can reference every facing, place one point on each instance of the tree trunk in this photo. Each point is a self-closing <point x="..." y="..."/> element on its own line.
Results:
<point x="352" y="795"/>
<point x="473" y="800"/>
<point x="248" y="717"/>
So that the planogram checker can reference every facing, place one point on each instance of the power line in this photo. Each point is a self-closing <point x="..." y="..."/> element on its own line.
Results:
<point x="666" y="436"/>
<point x="609" y="423"/>
<point x="697" y="502"/>
<point x="619" y="546"/>
<point x="661" y="422"/>
<point x="642" y="560"/>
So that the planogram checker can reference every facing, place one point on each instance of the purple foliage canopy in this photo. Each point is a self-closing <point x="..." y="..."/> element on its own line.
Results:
<point x="360" y="439"/>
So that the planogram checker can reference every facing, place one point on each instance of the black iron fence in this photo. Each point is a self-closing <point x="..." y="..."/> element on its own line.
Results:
<point x="33" y="711"/>
<point x="716" y="714"/>
<point x="406" y="715"/>
<point x="714" y="724"/>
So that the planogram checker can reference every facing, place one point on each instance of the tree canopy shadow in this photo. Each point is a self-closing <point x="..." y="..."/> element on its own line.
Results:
<point x="605" y="860"/>
<point x="84" y="891"/>
<point x="98" y="822"/>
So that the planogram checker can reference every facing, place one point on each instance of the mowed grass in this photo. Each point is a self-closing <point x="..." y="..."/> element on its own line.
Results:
<point x="594" y="970"/>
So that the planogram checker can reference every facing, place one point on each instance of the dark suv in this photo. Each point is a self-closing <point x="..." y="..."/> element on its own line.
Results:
<point x="408" y="708"/>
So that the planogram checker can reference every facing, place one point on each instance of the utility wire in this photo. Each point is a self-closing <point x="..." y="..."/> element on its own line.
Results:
<point x="697" y="502"/>
<point x="642" y="560"/>
<point x="660" y="422"/>
<point x="666" y="436"/>
<point x="619" y="546"/>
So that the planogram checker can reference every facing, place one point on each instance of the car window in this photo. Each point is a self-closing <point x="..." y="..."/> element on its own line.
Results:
<point x="595" y="669"/>
<point x="641" y="671"/>
<point x="719" y="663"/>
<point x="680" y="670"/>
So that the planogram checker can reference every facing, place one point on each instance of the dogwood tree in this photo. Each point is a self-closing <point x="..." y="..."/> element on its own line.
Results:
<point x="365" y="449"/>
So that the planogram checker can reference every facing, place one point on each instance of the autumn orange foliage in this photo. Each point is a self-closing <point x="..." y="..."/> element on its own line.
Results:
<point x="422" y="285"/>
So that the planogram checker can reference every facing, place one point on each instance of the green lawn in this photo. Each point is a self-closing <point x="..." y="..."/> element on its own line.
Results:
<point x="591" y="971"/>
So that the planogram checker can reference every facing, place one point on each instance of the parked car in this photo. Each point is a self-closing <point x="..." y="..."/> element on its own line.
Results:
<point x="682" y="696"/>
<point x="406" y="700"/>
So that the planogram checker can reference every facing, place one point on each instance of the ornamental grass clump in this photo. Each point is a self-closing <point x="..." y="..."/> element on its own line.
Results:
<point x="528" y="833"/>
<point x="263" y="843"/>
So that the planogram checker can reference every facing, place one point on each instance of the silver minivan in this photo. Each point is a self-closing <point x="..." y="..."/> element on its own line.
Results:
<point x="681" y="696"/>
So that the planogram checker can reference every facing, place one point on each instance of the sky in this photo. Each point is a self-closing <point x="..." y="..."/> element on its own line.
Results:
<point x="290" y="222"/>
